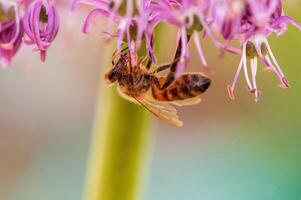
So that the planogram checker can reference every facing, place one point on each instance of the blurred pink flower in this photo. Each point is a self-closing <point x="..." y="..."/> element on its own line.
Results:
<point x="11" y="32"/>
<point x="190" y="17"/>
<point x="41" y="25"/>
<point x="251" y="22"/>
<point x="134" y="19"/>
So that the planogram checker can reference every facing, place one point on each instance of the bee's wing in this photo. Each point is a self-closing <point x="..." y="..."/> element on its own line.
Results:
<point x="187" y="102"/>
<point x="163" y="106"/>
<point x="125" y="96"/>
<point x="163" y="111"/>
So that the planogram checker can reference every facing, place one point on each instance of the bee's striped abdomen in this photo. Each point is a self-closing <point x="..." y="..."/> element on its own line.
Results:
<point x="185" y="87"/>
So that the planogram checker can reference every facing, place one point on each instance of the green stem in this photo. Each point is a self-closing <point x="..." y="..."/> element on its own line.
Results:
<point x="119" y="144"/>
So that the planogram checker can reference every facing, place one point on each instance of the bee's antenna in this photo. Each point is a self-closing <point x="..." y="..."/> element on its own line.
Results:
<point x="116" y="54"/>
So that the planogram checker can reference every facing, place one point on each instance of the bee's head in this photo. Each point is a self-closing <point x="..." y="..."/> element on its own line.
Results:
<point x="109" y="77"/>
<point x="113" y="74"/>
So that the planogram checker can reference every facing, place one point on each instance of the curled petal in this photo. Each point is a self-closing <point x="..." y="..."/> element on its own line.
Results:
<point x="91" y="15"/>
<point x="41" y="25"/>
<point x="283" y="20"/>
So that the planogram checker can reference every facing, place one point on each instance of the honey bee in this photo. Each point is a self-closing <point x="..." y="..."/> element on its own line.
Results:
<point x="157" y="93"/>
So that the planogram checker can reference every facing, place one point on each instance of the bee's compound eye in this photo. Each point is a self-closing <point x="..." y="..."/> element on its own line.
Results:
<point x="109" y="76"/>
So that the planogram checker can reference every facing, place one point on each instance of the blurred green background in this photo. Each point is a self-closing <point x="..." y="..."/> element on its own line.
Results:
<point x="227" y="150"/>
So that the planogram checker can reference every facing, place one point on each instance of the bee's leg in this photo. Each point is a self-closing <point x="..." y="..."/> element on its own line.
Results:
<point x="177" y="56"/>
<point x="172" y="65"/>
<point x="169" y="80"/>
<point x="149" y="62"/>
<point x="157" y="82"/>
<point x="161" y="68"/>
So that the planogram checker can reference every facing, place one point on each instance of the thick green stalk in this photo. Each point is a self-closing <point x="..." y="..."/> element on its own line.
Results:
<point x="120" y="143"/>
<point x="119" y="148"/>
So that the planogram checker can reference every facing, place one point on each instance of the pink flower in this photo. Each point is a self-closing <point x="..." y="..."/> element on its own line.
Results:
<point x="41" y="25"/>
<point x="133" y="18"/>
<point x="250" y="22"/>
<point x="258" y="19"/>
<point x="227" y="16"/>
<point x="190" y="17"/>
<point x="11" y="32"/>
